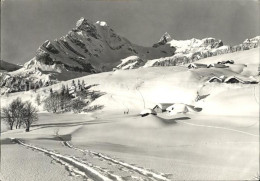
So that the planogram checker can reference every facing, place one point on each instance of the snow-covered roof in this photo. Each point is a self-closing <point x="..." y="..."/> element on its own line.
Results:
<point x="220" y="79"/>
<point x="196" y="65"/>
<point x="164" y="106"/>
<point x="241" y="79"/>
<point x="147" y="111"/>
<point x="101" y="23"/>
<point x="178" y="108"/>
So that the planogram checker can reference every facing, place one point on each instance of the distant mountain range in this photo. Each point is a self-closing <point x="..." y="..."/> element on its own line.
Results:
<point x="95" y="47"/>
<point x="188" y="51"/>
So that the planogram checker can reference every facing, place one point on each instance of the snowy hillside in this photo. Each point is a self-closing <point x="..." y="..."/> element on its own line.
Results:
<point x="116" y="142"/>
<point x="128" y="89"/>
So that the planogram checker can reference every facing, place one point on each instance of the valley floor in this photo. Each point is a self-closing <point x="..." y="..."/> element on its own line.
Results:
<point x="181" y="147"/>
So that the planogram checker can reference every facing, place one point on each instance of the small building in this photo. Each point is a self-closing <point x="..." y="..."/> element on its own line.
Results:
<point x="242" y="80"/>
<point x="226" y="62"/>
<point x="196" y="65"/>
<point x="216" y="79"/>
<point x="210" y="65"/>
<point x="177" y="108"/>
<point x="181" y="108"/>
<point x="147" y="111"/>
<point x="161" y="107"/>
<point x="233" y="80"/>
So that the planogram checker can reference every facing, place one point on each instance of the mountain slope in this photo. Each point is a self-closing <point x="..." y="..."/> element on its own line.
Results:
<point x="93" y="47"/>
<point x="138" y="88"/>
<point x="6" y="66"/>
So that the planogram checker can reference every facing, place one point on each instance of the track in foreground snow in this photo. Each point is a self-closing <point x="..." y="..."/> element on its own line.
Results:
<point x="88" y="171"/>
<point x="75" y="165"/>
<point x="151" y="175"/>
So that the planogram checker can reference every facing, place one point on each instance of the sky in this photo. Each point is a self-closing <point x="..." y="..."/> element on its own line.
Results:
<point x="26" y="24"/>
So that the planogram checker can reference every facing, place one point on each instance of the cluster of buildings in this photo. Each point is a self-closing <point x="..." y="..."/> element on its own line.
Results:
<point x="170" y="108"/>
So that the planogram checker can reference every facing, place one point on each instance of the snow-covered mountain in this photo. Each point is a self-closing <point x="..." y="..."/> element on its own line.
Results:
<point x="88" y="48"/>
<point x="92" y="47"/>
<point x="95" y="47"/>
<point x="195" y="49"/>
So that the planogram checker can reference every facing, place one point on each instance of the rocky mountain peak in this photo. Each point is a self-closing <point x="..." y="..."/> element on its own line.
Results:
<point x="82" y="22"/>
<point x="87" y="26"/>
<point x="165" y="38"/>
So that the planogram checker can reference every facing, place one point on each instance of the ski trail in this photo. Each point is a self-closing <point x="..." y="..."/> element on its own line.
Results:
<point x="69" y="167"/>
<point x="257" y="101"/>
<point x="110" y="175"/>
<point x="74" y="164"/>
<point x="151" y="175"/>
<point x="217" y="127"/>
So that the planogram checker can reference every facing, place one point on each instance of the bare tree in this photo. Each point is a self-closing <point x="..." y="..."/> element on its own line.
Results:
<point x="29" y="114"/>
<point x="15" y="110"/>
<point x="20" y="113"/>
<point x="7" y="117"/>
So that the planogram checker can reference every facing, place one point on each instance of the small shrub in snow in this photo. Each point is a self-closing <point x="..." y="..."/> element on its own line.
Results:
<point x="77" y="105"/>
<point x="64" y="101"/>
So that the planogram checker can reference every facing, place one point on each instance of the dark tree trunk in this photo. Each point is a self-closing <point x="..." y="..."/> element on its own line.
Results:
<point x="20" y="124"/>
<point x="17" y="125"/>
<point x="27" y="127"/>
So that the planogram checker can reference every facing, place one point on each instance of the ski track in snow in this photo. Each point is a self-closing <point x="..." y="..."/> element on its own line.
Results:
<point x="151" y="175"/>
<point x="79" y="167"/>
<point x="74" y="165"/>
<point x="217" y="127"/>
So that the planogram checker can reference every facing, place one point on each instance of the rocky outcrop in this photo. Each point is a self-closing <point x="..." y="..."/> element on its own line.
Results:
<point x="178" y="59"/>
<point x="251" y="43"/>
<point x="188" y="51"/>
<point x="195" y="45"/>
<point x="87" y="26"/>
<point x="131" y="62"/>
<point x="163" y="40"/>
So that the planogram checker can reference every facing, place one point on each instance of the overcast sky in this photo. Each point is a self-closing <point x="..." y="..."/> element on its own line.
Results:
<point x="26" y="24"/>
